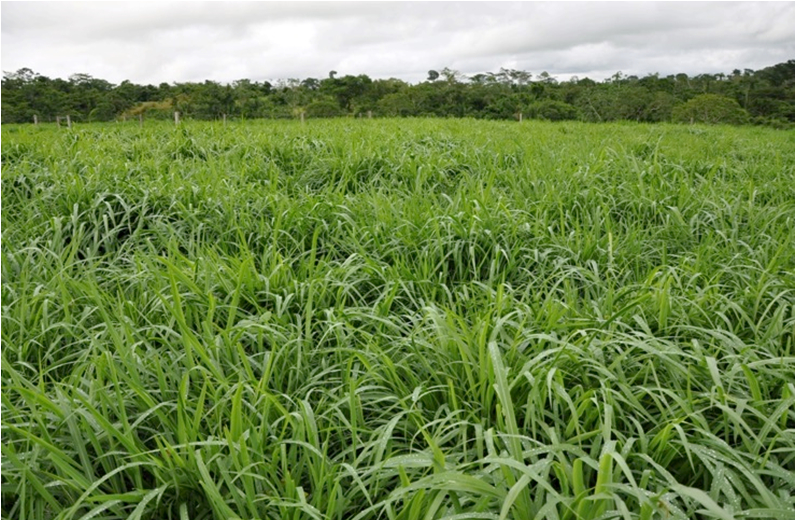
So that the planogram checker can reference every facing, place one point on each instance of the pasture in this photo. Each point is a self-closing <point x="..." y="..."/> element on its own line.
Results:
<point x="397" y="319"/>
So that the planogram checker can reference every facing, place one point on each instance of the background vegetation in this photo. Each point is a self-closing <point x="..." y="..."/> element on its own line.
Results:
<point x="765" y="96"/>
<point x="397" y="319"/>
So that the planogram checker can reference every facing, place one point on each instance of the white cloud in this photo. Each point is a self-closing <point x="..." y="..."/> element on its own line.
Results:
<point x="150" y="42"/>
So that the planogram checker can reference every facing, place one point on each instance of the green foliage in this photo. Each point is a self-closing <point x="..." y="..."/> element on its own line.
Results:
<point x="618" y="102"/>
<point x="345" y="89"/>
<point x="767" y="95"/>
<point x="399" y="104"/>
<point x="711" y="109"/>
<point x="324" y="108"/>
<point x="552" y="110"/>
<point x="503" y="107"/>
<point x="152" y="109"/>
<point x="409" y="319"/>
<point x="660" y="107"/>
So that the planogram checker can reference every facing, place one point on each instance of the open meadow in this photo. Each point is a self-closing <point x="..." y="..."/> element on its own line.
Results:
<point x="397" y="319"/>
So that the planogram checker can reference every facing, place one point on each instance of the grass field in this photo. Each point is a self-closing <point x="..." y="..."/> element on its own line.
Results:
<point x="397" y="319"/>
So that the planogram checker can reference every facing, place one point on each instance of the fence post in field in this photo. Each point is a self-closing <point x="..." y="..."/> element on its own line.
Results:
<point x="58" y="122"/>
<point x="224" y="117"/>
<point x="520" y="117"/>
<point x="141" y="119"/>
<point x="176" y="118"/>
<point x="370" y="114"/>
<point x="35" y="119"/>
<point x="302" y="118"/>
<point x="68" y="122"/>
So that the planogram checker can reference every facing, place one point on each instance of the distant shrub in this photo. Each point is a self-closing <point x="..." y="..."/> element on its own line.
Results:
<point x="396" y="104"/>
<point x="157" y="109"/>
<point x="104" y="111"/>
<point x="552" y="110"/>
<point x="324" y="108"/>
<point x="712" y="109"/>
<point x="502" y="108"/>
<point x="779" y="124"/>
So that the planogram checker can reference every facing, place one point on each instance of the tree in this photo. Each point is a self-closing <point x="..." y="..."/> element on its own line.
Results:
<point x="519" y="77"/>
<point x="659" y="108"/>
<point x="450" y="75"/>
<point x="503" y="107"/>
<point x="311" y="84"/>
<point x="545" y="77"/>
<point x="712" y="109"/>
<point x="211" y="100"/>
<point x="324" y="108"/>
<point x="552" y="110"/>
<point x="398" y="104"/>
<point x="484" y="79"/>
<point x="105" y="111"/>
<point x="347" y="88"/>
<point x="766" y="97"/>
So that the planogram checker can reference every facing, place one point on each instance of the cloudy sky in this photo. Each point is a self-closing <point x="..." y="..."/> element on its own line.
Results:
<point x="154" y="42"/>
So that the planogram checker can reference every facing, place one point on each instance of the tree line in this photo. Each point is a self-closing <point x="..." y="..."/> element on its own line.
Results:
<point x="763" y="96"/>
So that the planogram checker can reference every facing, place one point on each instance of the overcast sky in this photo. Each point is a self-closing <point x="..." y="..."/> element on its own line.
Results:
<point x="222" y="41"/>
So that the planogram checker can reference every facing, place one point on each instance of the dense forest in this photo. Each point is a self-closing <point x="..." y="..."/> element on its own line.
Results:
<point x="764" y="96"/>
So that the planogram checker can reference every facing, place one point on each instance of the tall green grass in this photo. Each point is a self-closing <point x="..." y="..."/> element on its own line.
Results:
<point x="398" y="319"/>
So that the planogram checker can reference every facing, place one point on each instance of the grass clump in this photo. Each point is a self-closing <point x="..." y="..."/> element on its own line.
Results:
<point x="397" y="319"/>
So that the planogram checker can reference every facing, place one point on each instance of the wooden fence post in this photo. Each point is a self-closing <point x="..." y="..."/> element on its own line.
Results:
<point x="370" y="114"/>
<point x="520" y="117"/>
<point x="224" y="117"/>
<point x="302" y="118"/>
<point x="176" y="118"/>
<point x="58" y="122"/>
<point x="141" y="119"/>
<point x="35" y="119"/>
<point x="68" y="122"/>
